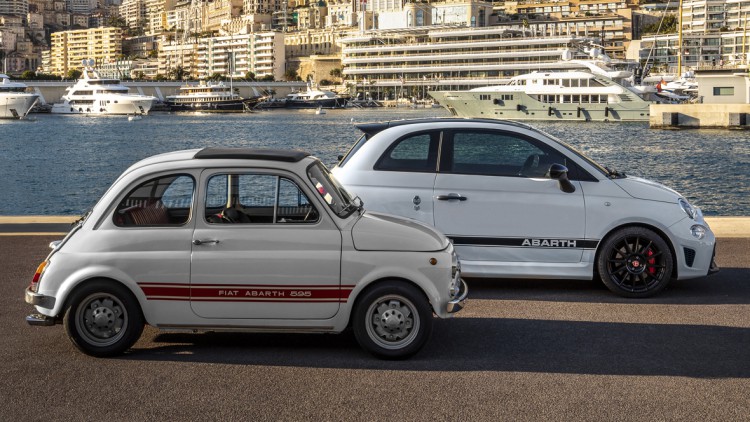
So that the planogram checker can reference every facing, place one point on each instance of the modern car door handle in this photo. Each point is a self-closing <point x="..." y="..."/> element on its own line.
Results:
<point x="451" y="196"/>
<point x="198" y="242"/>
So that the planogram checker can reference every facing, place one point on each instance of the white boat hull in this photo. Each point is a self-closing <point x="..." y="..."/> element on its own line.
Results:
<point x="521" y="106"/>
<point x="106" y="106"/>
<point x="16" y="105"/>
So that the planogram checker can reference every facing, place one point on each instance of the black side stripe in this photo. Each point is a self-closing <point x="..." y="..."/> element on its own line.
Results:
<point x="527" y="242"/>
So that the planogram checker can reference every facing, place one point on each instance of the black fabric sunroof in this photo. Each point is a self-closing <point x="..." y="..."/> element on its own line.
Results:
<point x="291" y="156"/>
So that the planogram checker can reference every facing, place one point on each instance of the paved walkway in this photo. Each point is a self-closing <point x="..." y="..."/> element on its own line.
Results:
<point x="59" y="225"/>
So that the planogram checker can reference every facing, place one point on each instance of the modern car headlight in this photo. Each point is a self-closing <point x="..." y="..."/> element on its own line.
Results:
<point x="689" y="210"/>
<point x="698" y="231"/>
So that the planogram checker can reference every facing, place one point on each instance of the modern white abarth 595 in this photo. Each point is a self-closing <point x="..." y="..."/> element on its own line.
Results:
<point x="519" y="203"/>
<point x="238" y="239"/>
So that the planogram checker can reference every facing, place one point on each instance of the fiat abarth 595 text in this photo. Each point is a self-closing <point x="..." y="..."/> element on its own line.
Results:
<point x="519" y="203"/>
<point x="239" y="239"/>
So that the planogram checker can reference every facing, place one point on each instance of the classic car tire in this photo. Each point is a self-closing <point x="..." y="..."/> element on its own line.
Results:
<point x="392" y="320"/>
<point x="103" y="318"/>
<point x="635" y="262"/>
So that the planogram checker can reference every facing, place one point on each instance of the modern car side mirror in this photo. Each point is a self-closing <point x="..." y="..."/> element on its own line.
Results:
<point x="560" y="173"/>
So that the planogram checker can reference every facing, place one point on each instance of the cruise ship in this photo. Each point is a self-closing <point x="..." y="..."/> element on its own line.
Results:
<point x="407" y="63"/>
<point x="15" y="102"/>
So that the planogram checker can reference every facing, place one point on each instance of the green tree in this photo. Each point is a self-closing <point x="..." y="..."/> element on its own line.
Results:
<point x="267" y="78"/>
<point x="73" y="74"/>
<point x="291" y="75"/>
<point x="336" y="73"/>
<point x="177" y="73"/>
<point x="29" y="74"/>
<point x="250" y="76"/>
<point x="217" y="77"/>
<point x="668" y="26"/>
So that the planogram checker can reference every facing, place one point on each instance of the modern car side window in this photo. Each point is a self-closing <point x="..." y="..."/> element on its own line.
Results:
<point x="498" y="154"/>
<point x="163" y="201"/>
<point x="256" y="199"/>
<point x="416" y="153"/>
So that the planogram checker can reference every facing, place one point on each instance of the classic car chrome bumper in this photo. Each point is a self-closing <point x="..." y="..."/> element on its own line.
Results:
<point x="39" y="319"/>
<point x="459" y="302"/>
<point x="34" y="298"/>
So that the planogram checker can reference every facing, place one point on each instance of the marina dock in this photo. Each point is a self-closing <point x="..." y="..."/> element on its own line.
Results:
<point x="700" y="116"/>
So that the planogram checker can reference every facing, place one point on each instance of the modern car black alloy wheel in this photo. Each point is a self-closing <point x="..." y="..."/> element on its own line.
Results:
<point x="635" y="262"/>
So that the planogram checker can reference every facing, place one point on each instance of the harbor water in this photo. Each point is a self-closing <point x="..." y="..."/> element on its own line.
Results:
<point x="60" y="165"/>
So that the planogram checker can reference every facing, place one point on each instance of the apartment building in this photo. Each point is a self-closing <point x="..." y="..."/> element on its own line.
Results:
<point x="14" y="7"/>
<point x="615" y="22"/>
<point x="70" y="48"/>
<point x="81" y="6"/>
<point x="259" y="52"/>
<point x="135" y="14"/>
<point x="713" y="35"/>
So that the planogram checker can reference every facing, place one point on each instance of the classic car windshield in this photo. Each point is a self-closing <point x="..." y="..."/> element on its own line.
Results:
<point x="337" y="198"/>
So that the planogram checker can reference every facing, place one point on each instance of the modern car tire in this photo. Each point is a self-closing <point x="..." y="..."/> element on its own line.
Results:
<point x="103" y="318"/>
<point x="392" y="320"/>
<point x="635" y="262"/>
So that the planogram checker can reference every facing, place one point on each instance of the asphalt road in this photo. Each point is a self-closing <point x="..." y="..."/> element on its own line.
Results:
<point x="521" y="350"/>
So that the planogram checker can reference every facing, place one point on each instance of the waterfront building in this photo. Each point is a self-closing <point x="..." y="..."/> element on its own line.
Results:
<point x="70" y="48"/>
<point x="259" y="52"/>
<point x="408" y="62"/>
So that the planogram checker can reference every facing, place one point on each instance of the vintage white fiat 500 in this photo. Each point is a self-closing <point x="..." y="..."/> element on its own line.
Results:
<point x="239" y="239"/>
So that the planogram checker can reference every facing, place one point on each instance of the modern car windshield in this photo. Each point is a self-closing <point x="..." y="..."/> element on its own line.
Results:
<point x="337" y="198"/>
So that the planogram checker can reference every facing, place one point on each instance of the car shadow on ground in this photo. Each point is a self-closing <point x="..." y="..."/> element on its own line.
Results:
<point x="486" y="344"/>
<point x="731" y="286"/>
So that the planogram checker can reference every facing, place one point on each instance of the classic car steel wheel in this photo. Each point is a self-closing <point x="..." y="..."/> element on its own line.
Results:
<point x="392" y="320"/>
<point x="635" y="262"/>
<point x="103" y="318"/>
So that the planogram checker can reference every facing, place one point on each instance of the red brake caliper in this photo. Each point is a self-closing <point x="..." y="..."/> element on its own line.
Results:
<point x="651" y="262"/>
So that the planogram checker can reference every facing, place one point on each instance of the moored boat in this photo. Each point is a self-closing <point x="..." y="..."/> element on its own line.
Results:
<point x="95" y="95"/>
<point x="565" y="95"/>
<point x="15" y="102"/>
<point x="210" y="97"/>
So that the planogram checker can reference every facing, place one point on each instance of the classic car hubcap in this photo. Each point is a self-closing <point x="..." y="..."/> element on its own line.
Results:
<point x="101" y="318"/>
<point x="394" y="322"/>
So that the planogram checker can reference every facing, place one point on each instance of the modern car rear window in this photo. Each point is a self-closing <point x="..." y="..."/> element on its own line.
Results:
<point x="416" y="152"/>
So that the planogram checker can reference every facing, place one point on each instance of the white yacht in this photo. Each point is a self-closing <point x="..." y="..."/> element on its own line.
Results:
<point x="101" y="96"/>
<point x="210" y="96"/>
<point x="594" y="94"/>
<point x="15" y="102"/>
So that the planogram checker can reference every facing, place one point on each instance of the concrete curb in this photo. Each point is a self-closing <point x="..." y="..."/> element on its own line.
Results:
<point x="45" y="225"/>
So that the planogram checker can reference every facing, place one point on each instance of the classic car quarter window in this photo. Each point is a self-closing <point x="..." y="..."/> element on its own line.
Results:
<point x="163" y="201"/>
<point x="256" y="199"/>
<point x="416" y="153"/>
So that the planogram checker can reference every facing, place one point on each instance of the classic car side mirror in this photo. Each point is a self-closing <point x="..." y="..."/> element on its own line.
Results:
<point x="560" y="173"/>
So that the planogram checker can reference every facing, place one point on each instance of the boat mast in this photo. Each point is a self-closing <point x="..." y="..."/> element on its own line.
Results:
<point x="679" y="39"/>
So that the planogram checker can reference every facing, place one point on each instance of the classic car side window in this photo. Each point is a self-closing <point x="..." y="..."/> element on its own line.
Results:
<point x="499" y="154"/>
<point x="163" y="201"/>
<point x="417" y="153"/>
<point x="256" y="199"/>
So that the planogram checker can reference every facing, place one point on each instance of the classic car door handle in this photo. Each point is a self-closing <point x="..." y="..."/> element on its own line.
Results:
<point x="198" y="242"/>
<point x="451" y="196"/>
